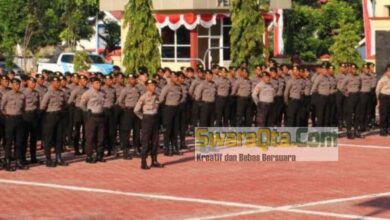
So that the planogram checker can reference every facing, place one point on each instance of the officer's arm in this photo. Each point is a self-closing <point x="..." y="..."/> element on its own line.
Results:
<point x="235" y="88"/>
<point x="379" y="87"/>
<point x="198" y="92"/>
<point x="3" y="103"/>
<point x="45" y="101"/>
<point x="138" y="107"/>
<point x="72" y="97"/>
<point x="314" y="87"/>
<point x="121" y="98"/>
<point x="287" y="91"/>
<point x="163" y="94"/>
<point x="344" y="84"/>
<point x="255" y="94"/>
<point x="84" y="100"/>
<point x="184" y="94"/>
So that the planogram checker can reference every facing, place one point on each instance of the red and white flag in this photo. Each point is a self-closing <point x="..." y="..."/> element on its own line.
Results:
<point x="369" y="32"/>
<point x="278" y="32"/>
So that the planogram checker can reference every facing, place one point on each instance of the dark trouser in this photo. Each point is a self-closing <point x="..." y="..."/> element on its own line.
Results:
<point x="79" y="123"/>
<point x="149" y="139"/>
<point x="207" y="114"/>
<point x="363" y="109"/>
<point x="188" y="110"/>
<point x="314" y="101"/>
<point x="183" y="124"/>
<point x="171" y="121"/>
<point x="264" y="114"/>
<point x="384" y="112"/>
<point x="233" y="108"/>
<point x="94" y="131"/>
<point x="52" y="133"/>
<point x="65" y="123"/>
<point x="278" y="110"/>
<point x="372" y="107"/>
<point x="304" y="115"/>
<point x="244" y="111"/>
<point x="31" y="127"/>
<point x="118" y="116"/>
<point x="110" y="128"/>
<point x="222" y="111"/>
<point x="14" y="134"/>
<point x="351" y="105"/>
<point x="322" y="110"/>
<point x="332" y="111"/>
<point x="69" y="129"/>
<point x="195" y="114"/>
<point x="129" y="122"/>
<point x="2" y="130"/>
<point x="340" y="100"/>
<point x="292" y="112"/>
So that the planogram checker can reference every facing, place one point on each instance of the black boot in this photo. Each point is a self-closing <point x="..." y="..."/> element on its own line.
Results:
<point x="176" y="151"/>
<point x="358" y="134"/>
<point x="7" y="166"/>
<point x="144" y="164"/>
<point x="155" y="163"/>
<point x="383" y="132"/>
<point x="137" y="152"/>
<point x="21" y="166"/>
<point x="127" y="155"/>
<point x="50" y="162"/>
<point x="90" y="159"/>
<point x="100" y="158"/>
<point x="60" y="161"/>
<point x="349" y="134"/>
<point x="77" y="151"/>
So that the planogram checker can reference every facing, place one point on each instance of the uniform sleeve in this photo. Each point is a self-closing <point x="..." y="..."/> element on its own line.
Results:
<point x="255" y="94"/>
<point x="198" y="92"/>
<point x="3" y="103"/>
<point x="184" y="94"/>
<point x="343" y="85"/>
<point x="45" y="101"/>
<point x="192" y="88"/>
<point x="138" y="107"/>
<point x="72" y="97"/>
<point x="314" y="88"/>
<point x="121" y="97"/>
<point x="84" y="100"/>
<point x="235" y="88"/>
<point x="379" y="87"/>
<point x="163" y="94"/>
<point x="287" y="90"/>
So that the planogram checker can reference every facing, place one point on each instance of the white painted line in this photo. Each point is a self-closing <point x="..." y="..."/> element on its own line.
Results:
<point x="332" y="201"/>
<point x="332" y="214"/>
<point x="132" y="194"/>
<point x="365" y="146"/>
<point x="232" y="214"/>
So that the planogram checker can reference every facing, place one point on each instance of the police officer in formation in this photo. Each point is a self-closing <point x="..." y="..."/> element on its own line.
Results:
<point x="67" y="109"/>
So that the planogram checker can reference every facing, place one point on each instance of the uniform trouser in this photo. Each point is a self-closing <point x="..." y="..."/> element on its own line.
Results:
<point x="364" y="105"/>
<point x="264" y="114"/>
<point x="149" y="139"/>
<point x="278" y="110"/>
<point x="332" y="110"/>
<point x="183" y="123"/>
<point x="233" y="109"/>
<point x="351" y="105"/>
<point x="293" y="112"/>
<point x="244" y="111"/>
<point x="129" y="122"/>
<point x="79" y="123"/>
<point x="118" y="116"/>
<point x="171" y="121"/>
<point x="65" y="123"/>
<point x="30" y="133"/>
<point x="52" y="133"/>
<point x="322" y="110"/>
<point x="2" y="126"/>
<point x="314" y="101"/>
<point x="14" y="134"/>
<point x="94" y="131"/>
<point x="384" y="111"/>
<point x="372" y="107"/>
<point x="340" y="100"/>
<point x="69" y="129"/>
<point x="207" y="114"/>
<point x="304" y="115"/>
<point x="222" y="111"/>
<point x="188" y="110"/>
<point x="110" y="128"/>
<point x="195" y="113"/>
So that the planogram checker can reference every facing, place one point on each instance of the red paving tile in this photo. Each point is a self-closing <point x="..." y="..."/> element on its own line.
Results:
<point x="359" y="172"/>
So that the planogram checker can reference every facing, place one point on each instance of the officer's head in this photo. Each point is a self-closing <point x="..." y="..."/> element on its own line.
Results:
<point x="343" y="68"/>
<point x="96" y="83"/>
<point x="55" y="82"/>
<point x="132" y="79"/>
<point x="223" y="72"/>
<point x="175" y="77"/>
<point x="273" y="72"/>
<point x="31" y="83"/>
<point x="189" y="72"/>
<point x="244" y="72"/>
<point x="167" y="72"/>
<point x="353" y="69"/>
<point x="40" y="79"/>
<point x="232" y="70"/>
<point x="181" y="77"/>
<point x="285" y="69"/>
<point x="15" y="84"/>
<point x="143" y="76"/>
<point x="160" y="71"/>
<point x="265" y="76"/>
<point x="366" y="69"/>
<point x="83" y="80"/>
<point x="372" y="67"/>
<point x="151" y="85"/>
<point x="108" y="80"/>
<point x="331" y="70"/>
<point x="116" y="69"/>
<point x="4" y="81"/>
<point x="64" y="82"/>
<point x="296" y="71"/>
<point x="209" y="75"/>
<point x="258" y="70"/>
<point x="119" y="78"/>
<point x="11" y="74"/>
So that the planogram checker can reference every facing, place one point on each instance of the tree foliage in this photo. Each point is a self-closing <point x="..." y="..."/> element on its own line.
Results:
<point x="246" y="35"/>
<point x="141" y="48"/>
<point x="81" y="61"/>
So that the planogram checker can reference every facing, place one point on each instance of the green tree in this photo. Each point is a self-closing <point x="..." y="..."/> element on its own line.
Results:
<point x="112" y="35"/>
<point x="141" y="48"/>
<point x="81" y="61"/>
<point x="344" y="47"/>
<point x="246" y="35"/>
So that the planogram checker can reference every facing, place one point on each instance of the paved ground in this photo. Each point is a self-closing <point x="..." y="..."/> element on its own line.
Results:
<point x="355" y="187"/>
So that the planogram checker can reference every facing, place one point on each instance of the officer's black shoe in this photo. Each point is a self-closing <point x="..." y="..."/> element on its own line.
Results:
<point x="61" y="162"/>
<point x="20" y="165"/>
<point x="127" y="155"/>
<point x="184" y="147"/>
<point x="383" y="133"/>
<point x="144" y="165"/>
<point x="7" y="166"/>
<point x="156" y="164"/>
<point x="350" y="135"/>
<point x="137" y="153"/>
<point x="358" y="134"/>
<point x="90" y="160"/>
<point x="77" y="153"/>
<point x="100" y="159"/>
<point x="33" y="160"/>
<point x="50" y="163"/>
<point x="177" y="152"/>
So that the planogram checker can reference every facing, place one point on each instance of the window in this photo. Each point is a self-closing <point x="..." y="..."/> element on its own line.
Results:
<point x="175" y="44"/>
<point x="67" y="59"/>
<point x="226" y="26"/>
